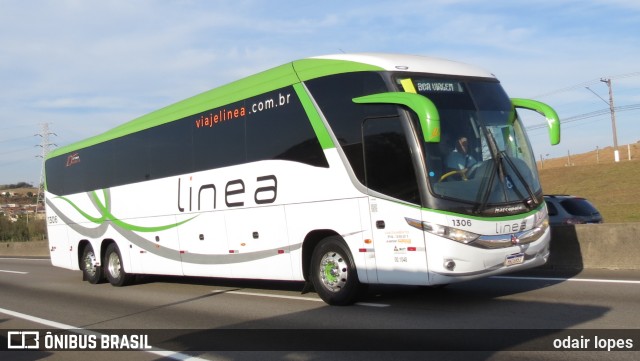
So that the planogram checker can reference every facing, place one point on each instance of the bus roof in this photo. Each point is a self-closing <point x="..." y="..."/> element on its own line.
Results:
<point x="278" y="77"/>
<point x="412" y="63"/>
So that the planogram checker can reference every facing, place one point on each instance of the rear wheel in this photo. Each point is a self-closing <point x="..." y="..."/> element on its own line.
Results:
<point x="113" y="268"/>
<point x="333" y="272"/>
<point x="91" y="271"/>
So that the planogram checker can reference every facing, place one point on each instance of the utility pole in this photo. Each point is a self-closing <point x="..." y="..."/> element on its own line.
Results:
<point x="542" y="160"/>
<point x="46" y="146"/>
<point x="616" y="154"/>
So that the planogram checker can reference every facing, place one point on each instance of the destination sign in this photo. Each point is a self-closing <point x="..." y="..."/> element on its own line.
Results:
<point x="439" y="86"/>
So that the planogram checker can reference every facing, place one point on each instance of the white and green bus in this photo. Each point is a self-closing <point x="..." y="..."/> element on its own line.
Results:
<point x="340" y="171"/>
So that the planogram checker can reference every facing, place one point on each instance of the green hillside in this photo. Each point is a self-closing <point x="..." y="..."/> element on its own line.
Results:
<point x="614" y="188"/>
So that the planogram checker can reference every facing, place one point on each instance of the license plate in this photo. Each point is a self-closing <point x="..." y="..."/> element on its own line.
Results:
<point x="514" y="259"/>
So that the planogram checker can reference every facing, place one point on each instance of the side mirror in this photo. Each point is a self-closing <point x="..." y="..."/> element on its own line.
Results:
<point x="553" y="120"/>
<point x="421" y="105"/>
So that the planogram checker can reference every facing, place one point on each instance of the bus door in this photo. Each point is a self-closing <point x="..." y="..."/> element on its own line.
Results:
<point x="394" y="198"/>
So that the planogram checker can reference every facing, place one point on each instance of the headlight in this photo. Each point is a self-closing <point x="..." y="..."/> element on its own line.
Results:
<point x="451" y="233"/>
<point x="541" y="218"/>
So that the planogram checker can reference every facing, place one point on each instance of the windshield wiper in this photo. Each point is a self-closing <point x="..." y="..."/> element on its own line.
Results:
<point x="499" y="157"/>
<point x="497" y="165"/>
<point x="527" y="186"/>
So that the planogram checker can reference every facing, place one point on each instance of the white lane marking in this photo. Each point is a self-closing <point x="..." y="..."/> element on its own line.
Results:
<point x="269" y="295"/>
<point x="566" y="279"/>
<point x="158" y="351"/>
<point x="17" y="272"/>
<point x="299" y="298"/>
<point x="39" y="320"/>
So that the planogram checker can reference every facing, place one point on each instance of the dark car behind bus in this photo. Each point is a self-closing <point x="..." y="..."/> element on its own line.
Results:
<point x="566" y="210"/>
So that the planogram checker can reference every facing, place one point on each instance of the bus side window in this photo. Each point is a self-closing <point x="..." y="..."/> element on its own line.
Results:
<point x="334" y="95"/>
<point x="388" y="161"/>
<point x="283" y="131"/>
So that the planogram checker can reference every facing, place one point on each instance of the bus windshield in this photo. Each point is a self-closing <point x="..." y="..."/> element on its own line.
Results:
<point x="484" y="157"/>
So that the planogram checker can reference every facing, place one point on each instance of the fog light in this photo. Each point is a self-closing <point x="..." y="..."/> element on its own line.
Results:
<point x="449" y="264"/>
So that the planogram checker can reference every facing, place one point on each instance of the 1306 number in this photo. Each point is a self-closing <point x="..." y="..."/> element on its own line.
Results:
<point x="461" y="222"/>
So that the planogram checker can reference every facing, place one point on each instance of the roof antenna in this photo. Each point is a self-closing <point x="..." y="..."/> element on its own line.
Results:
<point x="342" y="51"/>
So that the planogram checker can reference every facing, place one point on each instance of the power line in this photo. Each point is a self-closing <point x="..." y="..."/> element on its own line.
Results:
<point x="585" y="84"/>
<point x="14" y="139"/>
<point x="592" y="114"/>
<point x="15" y="151"/>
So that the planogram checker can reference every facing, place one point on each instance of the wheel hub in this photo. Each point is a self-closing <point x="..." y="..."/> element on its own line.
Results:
<point x="114" y="265"/>
<point x="90" y="263"/>
<point x="333" y="271"/>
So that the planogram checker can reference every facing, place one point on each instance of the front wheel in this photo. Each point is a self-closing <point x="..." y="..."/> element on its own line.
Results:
<point x="333" y="272"/>
<point x="116" y="274"/>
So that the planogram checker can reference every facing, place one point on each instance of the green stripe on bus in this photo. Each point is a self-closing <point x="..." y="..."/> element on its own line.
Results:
<point x="316" y="122"/>
<point x="272" y="79"/>
<point x="260" y="83"/>
<point x="485" y="218"/>
<point x="108" y="216"/>
<point x="314" y="68"/>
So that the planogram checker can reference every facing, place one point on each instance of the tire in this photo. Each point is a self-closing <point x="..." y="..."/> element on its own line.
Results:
<point x="333" y="272"/>
<point x="90" y="271"/>
<point x="113" y="268"/>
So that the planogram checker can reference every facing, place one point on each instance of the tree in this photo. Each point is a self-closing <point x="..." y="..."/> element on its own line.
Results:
<point x="21" y="230"/>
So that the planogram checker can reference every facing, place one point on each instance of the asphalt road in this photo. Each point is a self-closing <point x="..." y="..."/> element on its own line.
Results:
<point x="501" y="318"/>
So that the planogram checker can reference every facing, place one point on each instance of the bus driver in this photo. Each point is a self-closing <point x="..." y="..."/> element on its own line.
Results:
<point x="459" y="158"/>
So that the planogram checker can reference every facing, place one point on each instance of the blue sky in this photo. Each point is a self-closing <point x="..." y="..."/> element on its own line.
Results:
<point x="87" y="66"/>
